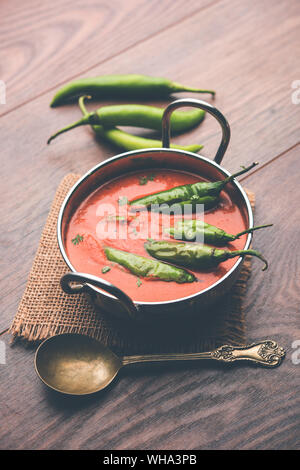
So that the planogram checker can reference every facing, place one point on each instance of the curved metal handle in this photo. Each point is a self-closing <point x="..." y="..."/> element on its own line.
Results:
<point x="84" y="279"/>
<point x="206" y="107"/>
<point x="265" y="353"/>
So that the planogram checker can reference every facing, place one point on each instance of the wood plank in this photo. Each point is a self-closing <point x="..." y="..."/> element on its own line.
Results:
<point x="253" y="92"/>
<point x="194" y="406"/>
<point x="50" y="42"/>
<point x="277" y="196"/>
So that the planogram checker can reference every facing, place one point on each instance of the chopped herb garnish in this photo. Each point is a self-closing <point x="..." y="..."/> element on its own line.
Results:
<point x="105" y="269"/>
<point x="77" y="239"/>
<point x="123" y="200"/>
<point x="139" y="282"/>
<point x="145" y="179"/>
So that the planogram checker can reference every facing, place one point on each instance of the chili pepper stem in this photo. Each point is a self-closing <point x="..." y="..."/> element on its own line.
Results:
<point x="249" y="230"/>
<point x="241" y="172"/>
<point x="82" y="105"/>
<point x="87" y="119"/>
<point x="233" y="254"/>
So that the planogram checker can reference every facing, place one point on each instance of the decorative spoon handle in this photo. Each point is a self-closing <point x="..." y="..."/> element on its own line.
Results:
<point x="266" y="353"/>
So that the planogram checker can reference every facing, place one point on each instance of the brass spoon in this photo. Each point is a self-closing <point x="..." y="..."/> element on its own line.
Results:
<point x="76" y="364"/>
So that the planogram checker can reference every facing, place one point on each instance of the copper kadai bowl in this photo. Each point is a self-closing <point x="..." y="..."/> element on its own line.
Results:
<point x="109" y="297"/>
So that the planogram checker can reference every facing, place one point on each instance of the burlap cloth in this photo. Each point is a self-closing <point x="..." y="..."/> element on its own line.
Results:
<point x="46" y="310"/>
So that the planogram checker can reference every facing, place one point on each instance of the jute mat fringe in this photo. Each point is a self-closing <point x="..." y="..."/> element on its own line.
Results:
<point x="45" y="310"/>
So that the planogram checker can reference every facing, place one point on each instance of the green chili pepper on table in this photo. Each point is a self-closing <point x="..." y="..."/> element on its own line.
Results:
<point x="149" y="268"/>
<point x="124" y="140"/>
<point x="191" y="229"/>
<point x="136" y="115"/>
<point x="195" y="255"/>
<point x="121" y="86"/>
<point x="203" y="192"/>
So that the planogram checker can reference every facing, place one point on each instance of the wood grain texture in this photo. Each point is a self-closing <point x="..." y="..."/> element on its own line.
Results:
<point x="247" y="52"/>
<point x="82" y="34"/>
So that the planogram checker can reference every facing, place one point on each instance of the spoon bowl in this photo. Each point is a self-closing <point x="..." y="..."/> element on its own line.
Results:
<point x="76" y="364"/>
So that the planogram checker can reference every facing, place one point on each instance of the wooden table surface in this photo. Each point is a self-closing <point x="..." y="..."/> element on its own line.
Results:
<point x="248" y="51"/>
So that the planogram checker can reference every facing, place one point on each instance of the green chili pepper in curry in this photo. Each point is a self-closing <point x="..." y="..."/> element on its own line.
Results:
<point x="192" y="229"/>
<point x="148" y="268"/>
<point x="195" y="255"/>
<point x="202" y="192"/>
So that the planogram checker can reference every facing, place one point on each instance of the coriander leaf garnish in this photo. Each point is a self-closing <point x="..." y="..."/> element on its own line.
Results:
<point x="139" y="282"/>
<point x="105" y="269"/>
<point x="77" y="239"/>
<point x="144" y="179"/>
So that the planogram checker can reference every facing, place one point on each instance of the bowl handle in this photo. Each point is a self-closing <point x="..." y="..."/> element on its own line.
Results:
<point x="206" y="107"/>
<point x="82" y="285"/>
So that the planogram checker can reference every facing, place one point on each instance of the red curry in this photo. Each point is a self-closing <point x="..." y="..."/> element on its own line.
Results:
<point x="94" y="225"/>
